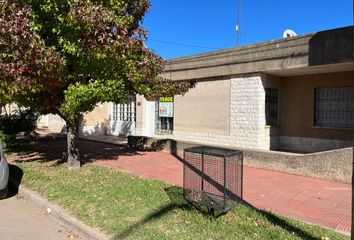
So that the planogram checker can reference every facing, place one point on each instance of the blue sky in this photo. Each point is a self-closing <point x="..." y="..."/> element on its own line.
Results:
<point x="210" y="24"/>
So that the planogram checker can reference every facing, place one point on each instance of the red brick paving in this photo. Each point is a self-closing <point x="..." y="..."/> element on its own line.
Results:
<point x="153" y="165"/>
<point x="312" y="200"/>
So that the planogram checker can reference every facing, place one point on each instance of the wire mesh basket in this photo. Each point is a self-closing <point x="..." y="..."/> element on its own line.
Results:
<point x="213" y="177"/>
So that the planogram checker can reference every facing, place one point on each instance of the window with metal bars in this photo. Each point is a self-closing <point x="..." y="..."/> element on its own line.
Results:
<point x="124" y="112"/>
<point x="334" y="107"/>
<point x="271" y="106"/>
<point x="163" y="125"/>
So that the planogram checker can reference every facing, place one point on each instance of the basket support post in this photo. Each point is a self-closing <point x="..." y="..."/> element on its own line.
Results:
<point x="224" y="183"/>
<point x="203" y="172"/>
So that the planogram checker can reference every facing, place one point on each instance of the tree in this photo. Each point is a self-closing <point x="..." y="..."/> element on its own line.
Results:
<point x="66" y="56"/>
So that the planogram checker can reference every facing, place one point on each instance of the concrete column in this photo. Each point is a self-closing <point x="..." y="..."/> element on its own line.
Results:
<point x="150" y="118"/>
<point x="140" y="115"/>
<point x="145" y="117"/>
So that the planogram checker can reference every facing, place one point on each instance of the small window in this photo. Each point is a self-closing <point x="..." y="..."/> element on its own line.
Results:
<point x="164" y="113"/>
<point x="166" y="125"/>
<point x="334" y="107"/>
<point x="124" y="112"/>
<point x="271" y="106"/>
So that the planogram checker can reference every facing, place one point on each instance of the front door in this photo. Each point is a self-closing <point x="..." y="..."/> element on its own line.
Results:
<point x="123" y="118"/>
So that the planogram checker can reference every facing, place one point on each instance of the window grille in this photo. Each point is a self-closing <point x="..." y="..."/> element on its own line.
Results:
<point x="166" y="124"/>
<point x="334" y="107"/>
<point x="163" y="125"/>
<point x="271" y="106"/>
<point x="124" y="112"/>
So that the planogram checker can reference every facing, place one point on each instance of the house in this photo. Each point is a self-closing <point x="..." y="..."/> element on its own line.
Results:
<point x="294" y="94"/>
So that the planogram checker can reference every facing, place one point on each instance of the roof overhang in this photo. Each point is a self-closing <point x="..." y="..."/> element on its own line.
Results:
<point x="328" y="68"/>
<point x="326" y="51"/>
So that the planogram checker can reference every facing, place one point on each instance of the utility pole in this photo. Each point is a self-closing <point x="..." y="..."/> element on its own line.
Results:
<point x="238" y="23"/>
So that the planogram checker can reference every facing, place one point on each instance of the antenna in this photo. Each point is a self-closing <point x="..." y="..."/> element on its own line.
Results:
<point x="238" y="26"/>
<point x="289" y="33"/>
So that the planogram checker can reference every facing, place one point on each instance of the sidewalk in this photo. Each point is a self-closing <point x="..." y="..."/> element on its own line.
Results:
<point x="22" y="220"/>
<point x="316" y="201"/>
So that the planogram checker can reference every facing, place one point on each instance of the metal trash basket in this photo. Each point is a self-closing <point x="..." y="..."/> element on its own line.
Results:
<point x="213" y="177"/>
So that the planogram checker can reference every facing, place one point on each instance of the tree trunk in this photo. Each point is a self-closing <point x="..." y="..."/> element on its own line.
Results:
<point x="73" y="148"/>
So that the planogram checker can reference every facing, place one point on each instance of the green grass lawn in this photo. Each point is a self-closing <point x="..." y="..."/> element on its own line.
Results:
<point x="134" y="208"/>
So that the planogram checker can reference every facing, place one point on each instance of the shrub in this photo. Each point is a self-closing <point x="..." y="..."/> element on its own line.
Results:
<point x="23" y="121"/>
<point x="4" y="137"/>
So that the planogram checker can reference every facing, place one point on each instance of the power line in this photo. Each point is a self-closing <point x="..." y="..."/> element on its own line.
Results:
<point x="183" y="44"/>
<point x="228" y="41"/>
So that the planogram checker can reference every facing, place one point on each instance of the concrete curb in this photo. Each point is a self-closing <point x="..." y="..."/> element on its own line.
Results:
<point x="63" y="217"/>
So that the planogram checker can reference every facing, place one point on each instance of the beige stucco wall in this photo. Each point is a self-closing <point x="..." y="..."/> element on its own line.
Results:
<point x="297" y="104"/>
<point x="97" y="121"/>
<point x="99" y="115"/>
<point x="204" y="109"/>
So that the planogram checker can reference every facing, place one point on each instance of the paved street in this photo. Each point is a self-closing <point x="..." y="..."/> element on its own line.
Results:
<point x="21" y="220"/>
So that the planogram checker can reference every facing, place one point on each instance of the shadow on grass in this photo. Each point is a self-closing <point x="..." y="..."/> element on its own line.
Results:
<point x="286" y="225"/>
<point x="47" y="150"/>
<point x="176" y="196"/>
<point x="178" y="202"/>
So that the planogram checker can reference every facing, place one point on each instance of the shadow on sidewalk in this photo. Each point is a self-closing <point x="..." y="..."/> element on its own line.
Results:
<point x="47" y="150"/>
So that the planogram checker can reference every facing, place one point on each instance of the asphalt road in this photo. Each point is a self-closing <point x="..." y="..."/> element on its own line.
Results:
<point x="20" y="220"/>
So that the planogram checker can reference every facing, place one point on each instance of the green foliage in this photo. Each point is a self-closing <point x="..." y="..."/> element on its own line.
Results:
<point x="65" y="56"/>
<point x="4" y="137"/>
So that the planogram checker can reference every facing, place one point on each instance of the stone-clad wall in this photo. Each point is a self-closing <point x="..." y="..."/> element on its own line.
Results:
<point x="247" y="112"/>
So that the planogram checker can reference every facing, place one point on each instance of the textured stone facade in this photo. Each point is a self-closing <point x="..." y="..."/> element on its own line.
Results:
<point x="247" y="116"/>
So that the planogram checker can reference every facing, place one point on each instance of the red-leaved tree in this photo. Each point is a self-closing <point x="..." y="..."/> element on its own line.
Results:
<point x="66" y="56"/>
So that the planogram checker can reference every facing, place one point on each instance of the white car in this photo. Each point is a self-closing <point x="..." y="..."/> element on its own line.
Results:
<point x="4" y="174"/>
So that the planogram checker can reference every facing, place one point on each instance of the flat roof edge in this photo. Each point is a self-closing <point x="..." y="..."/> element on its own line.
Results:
<point x="314" y="49"/>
